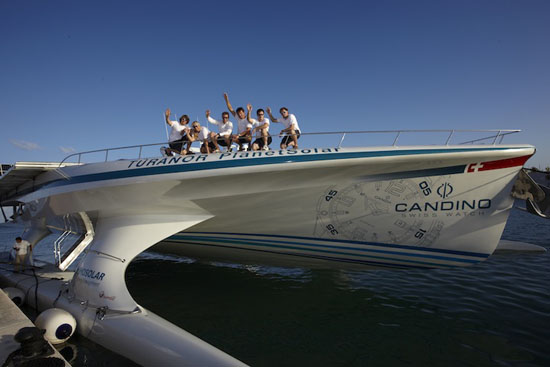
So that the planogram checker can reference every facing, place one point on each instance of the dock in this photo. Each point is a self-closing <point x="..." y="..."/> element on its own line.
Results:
<point x="12" y="319"/>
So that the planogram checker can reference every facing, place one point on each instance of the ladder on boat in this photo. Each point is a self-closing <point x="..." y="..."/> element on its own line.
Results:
<point x="63" y="259"/>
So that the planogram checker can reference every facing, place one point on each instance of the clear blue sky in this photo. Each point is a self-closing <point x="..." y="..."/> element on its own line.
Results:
<point x="82" y="75"/>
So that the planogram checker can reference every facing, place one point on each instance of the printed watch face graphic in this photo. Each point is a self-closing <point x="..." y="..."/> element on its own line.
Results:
<point x="367" y="211"/>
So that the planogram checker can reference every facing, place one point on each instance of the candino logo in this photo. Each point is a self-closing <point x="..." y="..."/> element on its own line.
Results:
<point x="443" y="206"/>
<point x="445" y="190"/>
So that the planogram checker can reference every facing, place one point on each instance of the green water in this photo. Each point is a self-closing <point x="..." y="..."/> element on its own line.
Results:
<point x="496" y="313"/>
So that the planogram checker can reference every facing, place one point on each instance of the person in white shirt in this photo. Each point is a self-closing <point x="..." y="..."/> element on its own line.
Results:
<point x="178" y="135"/>
<point x="244" y="134"/>
<point x="291" y="130"/>
<point x="261" y="128"/>
<point x="203" y="135"/>
<point x="225" y="129"/>
<point x="22" y="248"/>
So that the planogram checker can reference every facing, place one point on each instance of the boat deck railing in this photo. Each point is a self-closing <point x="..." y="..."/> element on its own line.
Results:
<point x="492" y="137"/>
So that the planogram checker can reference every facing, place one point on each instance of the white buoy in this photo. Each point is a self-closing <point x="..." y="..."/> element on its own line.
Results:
<point x="58" y="323"/>
<point x="16" y="295"/>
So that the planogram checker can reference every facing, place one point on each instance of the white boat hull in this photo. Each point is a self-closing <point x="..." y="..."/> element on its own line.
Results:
<point x="414" y="207"/>
<point x="372" y="214"/>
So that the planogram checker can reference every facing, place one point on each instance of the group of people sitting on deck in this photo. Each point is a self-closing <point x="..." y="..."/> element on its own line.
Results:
<point x="182" y="136"/>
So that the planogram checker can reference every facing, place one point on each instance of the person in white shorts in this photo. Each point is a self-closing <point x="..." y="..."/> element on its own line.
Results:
<point x="22" y="248"/>
<point x="261" y="128"/>
<point x="225" y="129"/>
<point x="244" y="128"/>
<point x="178" y="135"/>
<point x="291" y="130"/>
<point x="203" y="135"/>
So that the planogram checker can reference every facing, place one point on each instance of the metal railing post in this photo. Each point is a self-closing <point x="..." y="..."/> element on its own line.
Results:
<point x="106" y="154"/>
<point x="496" y="137"/>
<point x="140" y="148"/>
<point x="342" y="140"/>
<point x="397" y="137"/>
<point x="79" y="157"/>
<point x="449" y="138"/>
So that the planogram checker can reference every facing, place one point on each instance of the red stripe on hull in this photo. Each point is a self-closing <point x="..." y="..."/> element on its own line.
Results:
<point x="503" y="163"/>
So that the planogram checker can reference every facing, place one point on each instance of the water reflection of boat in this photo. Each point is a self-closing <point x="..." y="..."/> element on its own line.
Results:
<point x="389" y="207"/>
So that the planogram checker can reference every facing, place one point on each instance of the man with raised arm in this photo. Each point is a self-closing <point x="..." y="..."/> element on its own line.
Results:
<point x="291" y="130"/>
<point x="225" y="129"/>
<point x="178" y="135"/>
<point x="244" y="128"/>
<point x="261" y="128"/>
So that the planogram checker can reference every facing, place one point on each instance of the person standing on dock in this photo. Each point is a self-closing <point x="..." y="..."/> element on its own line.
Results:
<point x="22" y="248"/>
<point x="291" y="130"/>
<point x="244" y="134"/>
<point x="178" y="135"/>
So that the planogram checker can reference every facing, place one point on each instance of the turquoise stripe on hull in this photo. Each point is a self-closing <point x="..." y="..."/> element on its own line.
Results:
<point x="354" y="242"/>
<point x="246" y="162"/>
<point x="328" y="249"/>
<point x="354" y="261"/>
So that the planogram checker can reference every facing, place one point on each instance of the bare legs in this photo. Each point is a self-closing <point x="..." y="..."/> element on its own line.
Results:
<point x="237" y="139"/>
<point x="293" y="144"/>
<point x="265" y="136"/>
<point x="214" y="140"/>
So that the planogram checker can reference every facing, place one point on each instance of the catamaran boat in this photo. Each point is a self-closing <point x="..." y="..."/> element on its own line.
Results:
<point x="391" y="207"/>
